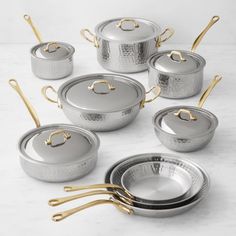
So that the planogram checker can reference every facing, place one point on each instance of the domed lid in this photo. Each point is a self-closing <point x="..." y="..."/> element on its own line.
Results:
<point x="102" y="92"/>
<point x="128" y="29"/>
<point x="177" y="62"/>
<point x="52" y="50"/>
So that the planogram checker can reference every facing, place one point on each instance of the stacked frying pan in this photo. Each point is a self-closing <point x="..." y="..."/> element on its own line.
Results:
<point x="150" y="184"/>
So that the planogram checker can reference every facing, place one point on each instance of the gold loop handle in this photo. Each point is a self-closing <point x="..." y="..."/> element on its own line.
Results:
<point x="176" y="53"/>
<point x="120" y="23"/>
<point x="47" y="48"/>
<point x="62" y="215"/>
<point x="91" y="37"/>
<point x="157" y="91"/>
<point x="13" y="83"/>
<point x="109" y="86"/>
<point x="213" y="20"/>
<point x="161" y="39"/>
<point x="96" y="186"/>
<point x="44" y="93"/>
<point x="65" y="134"/>
<point x="36" y="33"/>
<point x="191" y="116"/>
<point x="205" y="95"/>
<point x="59" y="201"/>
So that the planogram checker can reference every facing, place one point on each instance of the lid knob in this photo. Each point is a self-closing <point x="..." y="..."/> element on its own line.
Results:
<point x="120" y="24"/>
<point x="191" y="116"/>
<point x="109" y="86"/>
<point x="65" y="134"/>
<point x="53" y="49"/>
<point x="176" y="53"/>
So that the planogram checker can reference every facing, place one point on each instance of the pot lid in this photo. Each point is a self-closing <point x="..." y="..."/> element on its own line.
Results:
<point x="177" y="62"/>
<point x="102" y="92"/>
<point x="185" y="121"/>
<point x="52" y="50"/>
<point x="58" y="144"/>
<point x="128" y="29"/>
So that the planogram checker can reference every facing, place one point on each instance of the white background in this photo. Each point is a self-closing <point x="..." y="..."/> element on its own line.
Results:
<point x="63" y="19"/>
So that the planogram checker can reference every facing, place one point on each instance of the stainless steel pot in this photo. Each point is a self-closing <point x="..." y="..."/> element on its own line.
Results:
<point x="56" y="152"/>
<point x="50" y="60"/>
<point x="101" y="102"/>
<point x="124" y="44"/>
<point x="155" y="211"/>
<point x="186" y="128"/>
<point x="179" y="73"/>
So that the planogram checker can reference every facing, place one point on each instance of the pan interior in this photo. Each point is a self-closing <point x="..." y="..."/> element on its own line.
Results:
<point x="156" y="181"/>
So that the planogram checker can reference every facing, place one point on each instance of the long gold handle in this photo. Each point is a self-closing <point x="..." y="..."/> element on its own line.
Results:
<point x="96" y="186"/>
<point x="157" y="90"/>
<point x="89" y="36"/>
<point x="13" y="83"/>
<point x="36" y="32"/>
<point x="44" y="91"/>
<point x="62" y="215"/>
<point x="59" y="201"/>
<point x="205" y="95"/>
<point x="161" y="39"/>
<point x="65" y="134"/>
<point x="213" y="20"/>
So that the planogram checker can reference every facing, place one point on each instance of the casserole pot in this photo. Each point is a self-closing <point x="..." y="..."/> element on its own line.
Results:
<point x="186" y="128"/>
<point x="179" y="73"/>
<point x="101" y="102"/>
<point x="50" y="60"/>
<point x="124" y="44"/>
<point x="198" y="192"/>
<point x="56" y="152"/>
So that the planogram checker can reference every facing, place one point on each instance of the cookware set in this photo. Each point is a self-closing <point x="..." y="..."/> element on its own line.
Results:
<point x="149" y="184"/>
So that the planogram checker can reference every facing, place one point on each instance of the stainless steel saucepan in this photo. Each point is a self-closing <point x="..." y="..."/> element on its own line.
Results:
<point x="56" y="152"/>
<point x="197" y="193"/>
<point x="101" y="102"/>
<point x="186" y="128"/>
<point x="179" y="73"/>
<point x="50" y="60"/>
<point x="124" y="44"/>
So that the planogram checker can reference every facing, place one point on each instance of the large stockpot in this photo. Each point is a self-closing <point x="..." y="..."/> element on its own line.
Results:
<point x="56" y="152"/>
<point x="50" y="60"/>
<point x="101" y="102"/>
<point x="179" y="73"/>
<point x="198" y="192"/>
<point x="186" y="128"/>
<point x="124" y="44"/>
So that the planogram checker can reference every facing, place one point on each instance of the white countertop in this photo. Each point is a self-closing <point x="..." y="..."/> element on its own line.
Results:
<point x="23" y="201"/>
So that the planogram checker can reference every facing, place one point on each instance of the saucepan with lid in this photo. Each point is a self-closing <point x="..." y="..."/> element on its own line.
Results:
<point x="101" y="102"/>
<point x="186" y="128"/>
<point x="199" y="189"/>
<point x="50" y="60"/>
<point x="56" y="152"/>
<point x="179" y="73"/>
<point x="124" y="44"/>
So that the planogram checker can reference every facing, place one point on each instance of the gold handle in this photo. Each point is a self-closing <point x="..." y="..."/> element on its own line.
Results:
<point x="205" y="95"/>
<point x="120" y="23"/>
<point x="44" y="91"/>
<point x="36" y="33"/>
<point x="13" y="83"/>
<point x="213" y="20"/>
<point x="89" y="36"/>
<point x="92" y="87"/>
<point x="65" y="134"/>
<point x="59" y="201"/>
<point x="157" y="90"/>
<point x="62" y="215"/>
<point x="176" y="53"/>
<point x="191" y="116"/>
<point x="47" y="48"/>
<point x="96" y="186"/>
<point x="161" y="39"/>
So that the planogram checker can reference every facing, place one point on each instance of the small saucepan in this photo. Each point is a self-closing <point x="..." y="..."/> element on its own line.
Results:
<point x="101" y="102"/>
<point x="186" y="128"/>
<point x="179" y="73"/>
<point x="50" y="60"/>
<point x="56" y="152"/>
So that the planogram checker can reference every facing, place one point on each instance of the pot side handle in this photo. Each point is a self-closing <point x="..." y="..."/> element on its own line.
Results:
<point x="44" y="91"/>
<point x="157" y="90"/>
<point x="89" y="36"/>
<point x="162" y="38"/>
